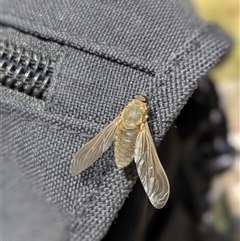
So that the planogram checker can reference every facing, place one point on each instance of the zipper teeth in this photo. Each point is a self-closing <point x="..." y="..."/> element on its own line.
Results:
<point x="25" y="70"/>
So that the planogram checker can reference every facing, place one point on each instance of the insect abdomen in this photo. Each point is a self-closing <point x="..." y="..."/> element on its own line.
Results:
<point x="124" y="145"/>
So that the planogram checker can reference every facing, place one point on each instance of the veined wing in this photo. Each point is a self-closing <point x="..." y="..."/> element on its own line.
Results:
<point x="150" y="170"/>
<point x="93" y="149"/>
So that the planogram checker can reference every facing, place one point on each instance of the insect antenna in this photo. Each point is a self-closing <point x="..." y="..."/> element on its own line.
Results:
<point x="151" y="121"/>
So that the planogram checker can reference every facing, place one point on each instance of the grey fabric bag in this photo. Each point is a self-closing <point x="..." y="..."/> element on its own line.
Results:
<point x="101" y="54"/>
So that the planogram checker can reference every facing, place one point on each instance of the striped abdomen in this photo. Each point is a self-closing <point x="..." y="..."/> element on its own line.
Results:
<point x="124" y="145"/>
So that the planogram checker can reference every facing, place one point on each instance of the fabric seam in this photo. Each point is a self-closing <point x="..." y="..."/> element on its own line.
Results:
<point x="106" y="46"/>
<point x="25" y="110"/>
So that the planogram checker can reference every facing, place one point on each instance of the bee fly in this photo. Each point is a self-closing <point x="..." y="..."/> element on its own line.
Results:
<point x="132" y="140"/>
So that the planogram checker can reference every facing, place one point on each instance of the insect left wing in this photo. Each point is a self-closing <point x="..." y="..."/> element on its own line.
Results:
<point x="93" y="149"/>
<point x="150" y="170"/>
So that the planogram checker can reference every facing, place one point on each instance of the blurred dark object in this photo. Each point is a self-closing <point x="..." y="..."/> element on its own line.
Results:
<point x="194" y="150"/>
<point x="203" y="153"/>
<point x="202" y="124"/>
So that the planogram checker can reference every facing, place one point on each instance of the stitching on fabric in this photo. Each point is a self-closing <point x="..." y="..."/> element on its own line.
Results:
<point x="46" y="116"/>
<point x="100" y="53"/>
<point x="38" y="123"/>
<point x="72" y="33"/>
<point x="188" y="79"/>
<point x="190" y="46"/>
<point x="54" y="82"/>
<point x="204" y="29"/>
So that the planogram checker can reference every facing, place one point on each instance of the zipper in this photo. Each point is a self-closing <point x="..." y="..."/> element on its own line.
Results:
<point x="25" y="70"/>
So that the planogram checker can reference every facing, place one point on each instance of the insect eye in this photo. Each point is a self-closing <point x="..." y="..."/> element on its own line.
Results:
<point x="142" y="97"/>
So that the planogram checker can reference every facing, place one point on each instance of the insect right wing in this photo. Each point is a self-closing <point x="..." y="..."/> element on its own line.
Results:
<point x="150" y="170"/>
<point x="93" y="149"/>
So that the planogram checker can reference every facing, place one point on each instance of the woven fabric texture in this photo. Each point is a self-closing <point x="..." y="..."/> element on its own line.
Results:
<point x="109" y="51"/>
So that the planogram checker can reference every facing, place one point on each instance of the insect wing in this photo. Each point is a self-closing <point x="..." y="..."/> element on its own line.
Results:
<point x="93" y="149"/>
<point x="150" y="170"/>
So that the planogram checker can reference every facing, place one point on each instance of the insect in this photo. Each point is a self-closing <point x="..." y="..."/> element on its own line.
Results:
<point x="132" y="140"/>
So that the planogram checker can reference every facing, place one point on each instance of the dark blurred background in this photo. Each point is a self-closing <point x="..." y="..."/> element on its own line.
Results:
<point x="224" y="210"/>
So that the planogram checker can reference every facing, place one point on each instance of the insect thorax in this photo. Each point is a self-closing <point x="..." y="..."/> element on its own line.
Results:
<point x="134" y="114"/>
